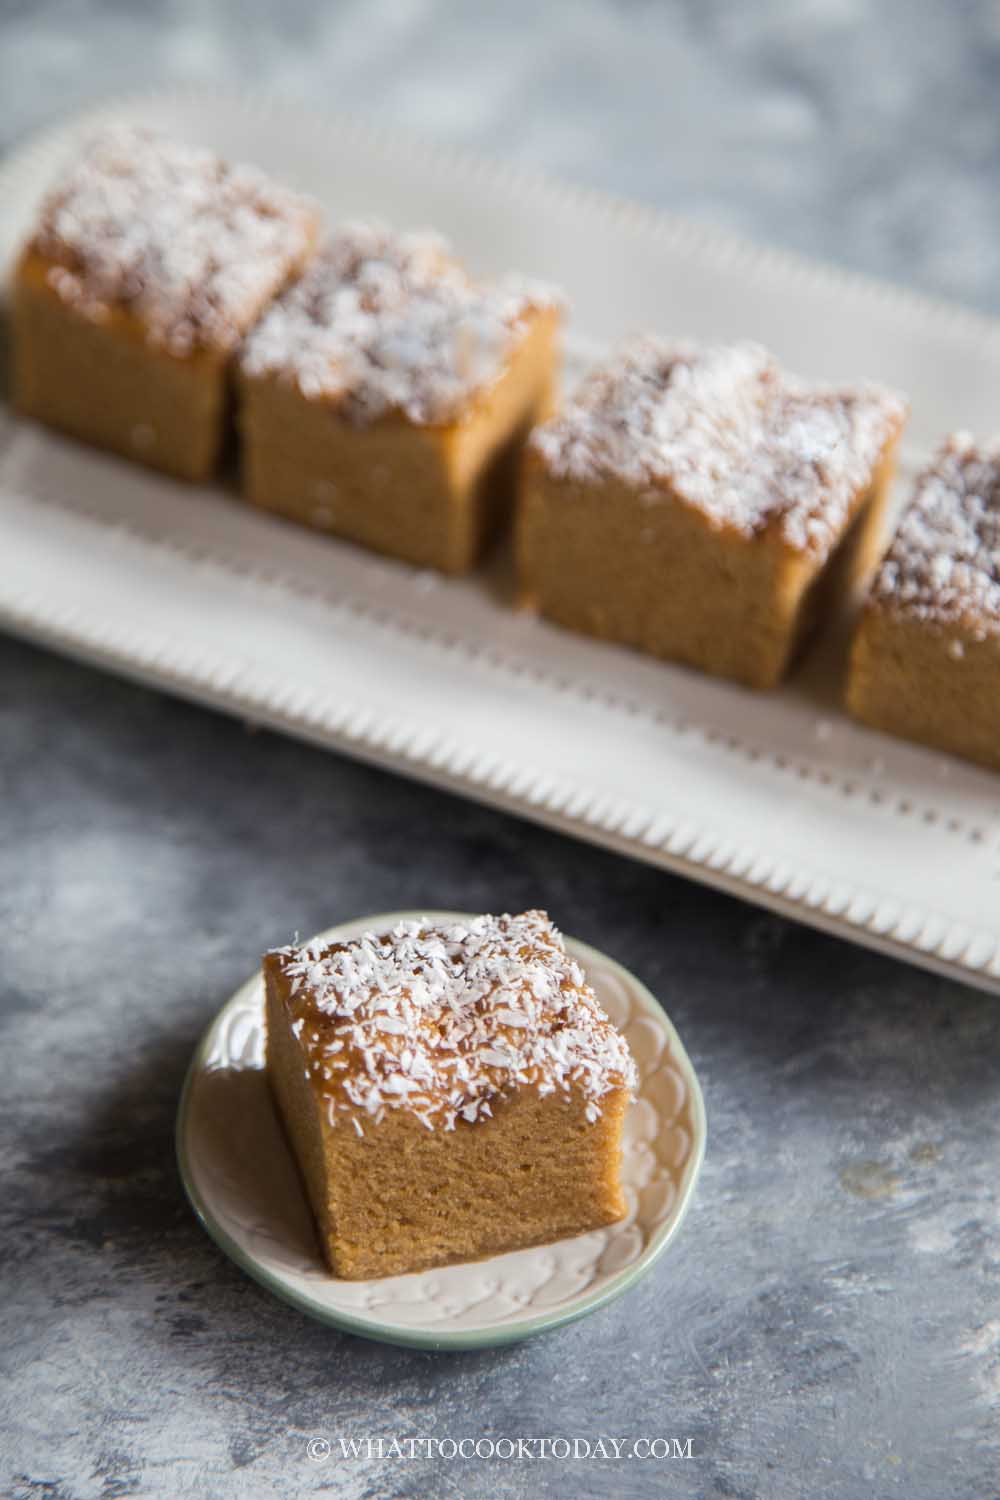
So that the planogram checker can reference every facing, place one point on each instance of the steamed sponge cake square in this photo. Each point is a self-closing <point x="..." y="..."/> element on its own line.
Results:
<point x="386" y="396"/>
<point x="450" y="1091"/>
<point x="149" y="262"/>
<point x="693" y="503"/>
<point x="925" y="662"/>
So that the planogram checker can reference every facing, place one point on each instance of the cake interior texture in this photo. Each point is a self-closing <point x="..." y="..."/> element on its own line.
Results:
<point x="149" y="262"/>
<point x="925" y="661"/>
<point x="450" y="1092"/>
<point x="702" y="507"/>
<point x="385" y="397"/>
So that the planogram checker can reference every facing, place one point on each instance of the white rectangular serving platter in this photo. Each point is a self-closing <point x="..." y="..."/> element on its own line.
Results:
<point x="777" y="798"/>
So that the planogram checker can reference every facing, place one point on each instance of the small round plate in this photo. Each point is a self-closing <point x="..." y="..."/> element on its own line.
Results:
<point x="245" y="1188"/>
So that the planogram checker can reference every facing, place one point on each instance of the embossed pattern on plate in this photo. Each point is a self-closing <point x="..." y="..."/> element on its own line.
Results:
<point x="777" y="798"/>
<point x="244" y="1185"/>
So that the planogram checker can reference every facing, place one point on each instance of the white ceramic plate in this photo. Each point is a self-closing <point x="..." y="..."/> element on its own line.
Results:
<point x="776" y="797"/>
<point x="245" y="1188"/>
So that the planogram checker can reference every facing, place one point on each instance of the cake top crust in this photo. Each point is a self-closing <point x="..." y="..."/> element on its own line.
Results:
<point x="943" y="564"/>
<point x="725" y="431"/>
<point x="390" y="322"/>
<point x="188" y="243"/>
<point x="440" y="1020"/>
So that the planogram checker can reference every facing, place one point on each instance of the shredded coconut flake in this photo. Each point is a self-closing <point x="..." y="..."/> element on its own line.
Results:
<point x="943" y="565"/>
<point x="391" y="322"/>
<point x="476" y="1010"/>
<point x="191" y="245"/>
<point x="725" y="431"/>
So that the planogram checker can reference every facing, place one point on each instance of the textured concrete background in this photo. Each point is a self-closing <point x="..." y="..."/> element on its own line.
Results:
<point x="829" y="1319"/>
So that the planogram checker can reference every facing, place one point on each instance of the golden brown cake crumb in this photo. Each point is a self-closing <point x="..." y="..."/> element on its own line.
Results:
<point x="690" y="501"/>
<point x="149" y="262"/>
<point x="926" y="657"/>
<point x="384" y="396"/>
<point x="450" y="1091"/>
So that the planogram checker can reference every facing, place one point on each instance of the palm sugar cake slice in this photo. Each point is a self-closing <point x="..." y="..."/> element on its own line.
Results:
<point x="384" y="397"/>
<point x="691" y="502"/>
<point x="149" y="262"/>
<point x="450" y="1091"/>
<point x="925" y="661"/>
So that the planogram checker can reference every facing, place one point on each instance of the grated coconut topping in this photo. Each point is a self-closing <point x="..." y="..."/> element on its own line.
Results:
<point x="387" y="322"/>
<point x="188" y="243"/>
<point x="440" y="1020"/>
<point x="943" y="565"/>
<point x="726" y="431"/>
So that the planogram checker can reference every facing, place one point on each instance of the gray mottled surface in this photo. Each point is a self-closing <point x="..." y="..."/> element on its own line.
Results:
<point x="829" y="1320"/>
